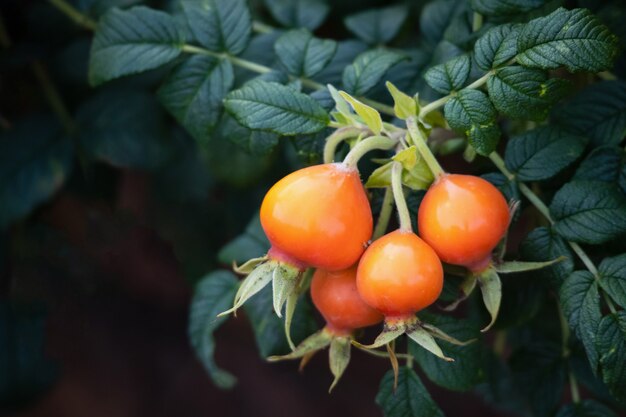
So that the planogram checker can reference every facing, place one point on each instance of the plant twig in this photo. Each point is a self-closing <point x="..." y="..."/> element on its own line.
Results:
<point x="53" y="97"/>
<point x="385" y="214"/>
<point x="565" y="335"/>
<point x="74" y="14"/>
<point x="398" y="195"/>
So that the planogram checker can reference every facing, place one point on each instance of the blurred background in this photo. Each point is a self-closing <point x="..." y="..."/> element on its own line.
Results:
<point x="107" y="231"/>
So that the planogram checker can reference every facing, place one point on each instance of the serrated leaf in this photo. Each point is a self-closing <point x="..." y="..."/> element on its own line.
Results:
<point x="404" y="105"/>
<point x="252" y="243"/>
<point x="123" y="128"/>
<point x="539" y="373"/>
<point x="497" y="46"/>
<point x="219" y="25"/>
<point x="470" y="112"/>
<point x="466" y="370"/>
<point x="505" y="7"/>
<point x="598" y="112"/>
<point x="309" y="14"/>
<point x="35" y="161"/>
<point x="612" y="273"/>
<point x="450" y="76"/>
<point x="302" y="54"/>
<point x="377" y="26"/>
<point x="589" y="212"/>
<point x="254" y="142"/>
<point x="507" y="187"/>
<point x="542" y="153"/>
<point x="409" y="399"/>
<point x="213" y="293"/>
<point x="269" y="329"/>
<point x="611" y="346"/>
<point x="542" y="245"/>
<point x="580" y="302"/>
<point x="586" y="408"/>
<point x="273" y="107"/>
<point x="574" y="39"/>
<point x="605" y="163"/>
<point x="525" y="93"/>
<point x="370" y="116"/>
<point x="132" y="41"/>
<point x="368" y="69"/>
<point x="194" y="91"/>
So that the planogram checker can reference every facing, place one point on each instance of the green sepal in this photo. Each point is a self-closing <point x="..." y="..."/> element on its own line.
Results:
<point x="415" y="172"/>
<point x="370" y="116"/>
<point x="491" y="289"/>
<point x="342" y="106"/>
<point x="466" y="288"/>
<point x="338" y="358"/>
<point x="284" y="281"/>
<point x="405" y="106"/>
<point x="440" y="334"/>
<point x="292" y="300"/>
<point x="389" y="334"/>
<point x="425" y="339"/>
<point x="518" y="266"/>
<point x="249" y="266"/>
<point x="311" y="344"/>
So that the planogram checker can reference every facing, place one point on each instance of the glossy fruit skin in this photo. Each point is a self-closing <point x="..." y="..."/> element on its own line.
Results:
<point x="319" y="215"/>
<point x="399" y="274"/>
<point x="335" y="296"/>
<point x="463" y="218"/>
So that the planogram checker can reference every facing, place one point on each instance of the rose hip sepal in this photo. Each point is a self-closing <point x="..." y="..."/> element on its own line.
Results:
<point x="316" y="217"/>
<point x="335" y="296"/>
<point x="399" y="275"/>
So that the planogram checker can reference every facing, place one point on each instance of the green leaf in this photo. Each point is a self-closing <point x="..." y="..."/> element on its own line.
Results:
<point x="436" y="17"/>
<point x="213" y="294"/>
<point x="410" y="399"/>
<point x="611" y="345"/>
<point x="580" y="301"/>
<point x="586" y="408"/>
<point x="123" y="128"/>
<point x="525" y="93"/>
<point x="309" y="14"/>
<point x="539" y="373"/>
<point x="368" y="69"/>
<point x="302" y="54"/>
<point x="470" y="112"/>
<point x="589" y="212"/>
<point x="605" y="163"/>
<point x="194" y="91"/>
<point x="252" y="243"/>
<point x="542" y="245"/>
<point x="613" y="278"/>
<point x="276" y="108"/>
<point x="27" y="371"/>
<point x="466" y="370"/>
<point x="377" y="26"/>
<point x="132" y="41"/>
<point x="370" y="116"/>
<point x="574" y="39"/>
<point x="505" y="7"/>
<point x="404" y="105"/>
<point x="598" y="112"/>
<point x="450" y="76"/>
<point x="35" y="161"/>
<point x="219" y="25"/>
<point x="542" y="153"/>
<point x="269" y="329"/>
<point x="497" y="46"/>
<point x="254" y="142"/>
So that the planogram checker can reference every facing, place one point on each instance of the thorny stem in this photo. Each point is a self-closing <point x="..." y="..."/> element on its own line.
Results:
<point x="398" y="195"/>
<point x="369" y="144"/>
<point x="422" y="147"/>
<point x="565" y="334"/>
<point x="74" y="14"/>
<point x="385" y="214"/>
<point x="341" y="134"/>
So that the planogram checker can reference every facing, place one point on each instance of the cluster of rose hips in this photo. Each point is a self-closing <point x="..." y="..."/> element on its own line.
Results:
<point x="320" y="218"/>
